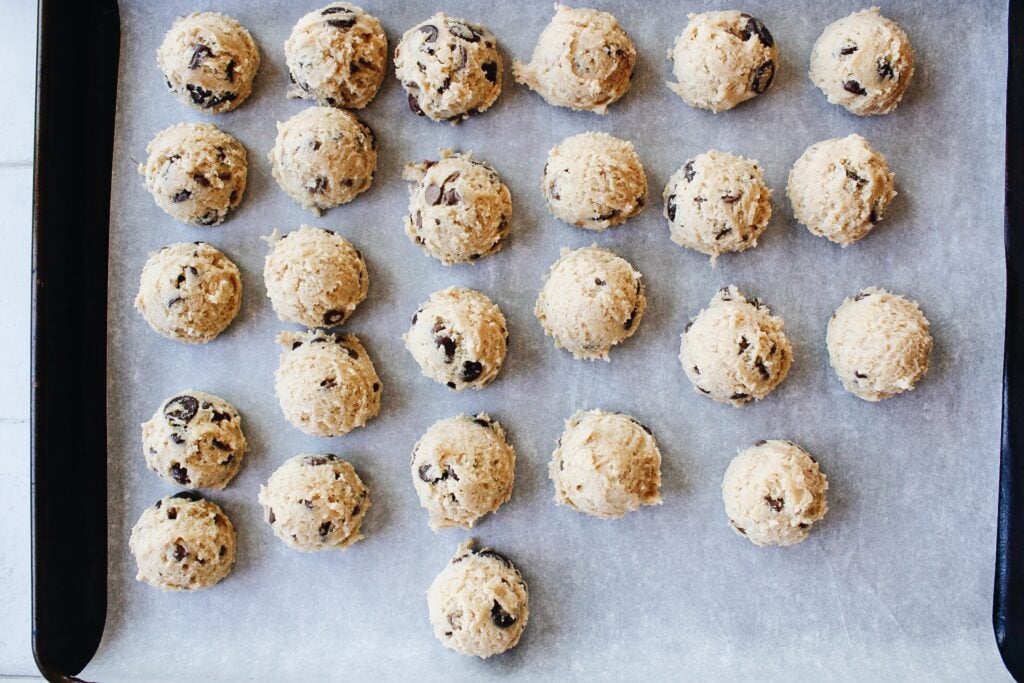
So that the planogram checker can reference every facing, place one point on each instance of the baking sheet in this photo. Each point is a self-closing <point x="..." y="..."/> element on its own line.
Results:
<point x="895" y="583"/>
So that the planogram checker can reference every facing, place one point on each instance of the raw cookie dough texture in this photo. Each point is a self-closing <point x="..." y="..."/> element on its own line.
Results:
<point x="479" y="604"/>
<point x="463" y="468"/>
<point x="606" y="464"/>
<point x="594" y="181"/>
<point x="183" y="543"/>
<point x="189" y="292"/>
<point x="863" y="63"/>
<point x="879" y="344"/>
<point x="314" y="277"/>
<point x="326" y="384"/>
<point x="194" y="439"/>
<point x="459" y="338"/>
<point x="840" y="188"/>
<point x="717" y="203"/>
<point x="735" y="350"/>
<point x="324" y="157"/>
<point x="583" y="60"/>
<point x="337" y="56"/>
<point x="209" y="61"/>
<point x="449" y="67"/>
<point x="722" y="59"/>
<point x="591" y="301"/>
<point x="195" y="172"/>
<point x="774" y="492"/>
<point x="459" y="210"/>
<point x="315" y="502"/>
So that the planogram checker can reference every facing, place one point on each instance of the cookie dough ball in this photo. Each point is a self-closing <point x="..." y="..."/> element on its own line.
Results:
<point x="189" y="292"/>
<point x="183" y="543"/>
<point x="315" y="502"/>
<point x="594" y="181"/>
<point x="717" y="203"/>
<point x="722" y="59"/>
<point x="583" y="60"/>
<point x="774" y="492"/>
<point x="449" y="67"/>
<point x="479" y="604"/>
<point x="337" y="56"/>
<point x="459" y="209"/>
<point x="863" y="63"/>
<point x="840" y="188"/>
<point x="735" y="350"/>
<point x="314" y="277"/>
<point x="591" y="301"/>
<point x="326" y="384"/>
<point x="463" y="468"/>
<point x="879" y="344"/>
<point x="209" y="61"/>
<point x="194" y="439"/>
<point x="323" y="158"/>
<point x="606" y="464"/>
<point x="459" y="338"/>
<point x="195" y="172"/>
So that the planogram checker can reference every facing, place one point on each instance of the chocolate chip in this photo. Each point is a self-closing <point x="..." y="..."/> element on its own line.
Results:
<point x="432" y="195"/>
<point x="172" y="513"/>
<point x="731" y="198"/>
<point x="490" y="70"/>
<point x="188" y="495"/>
<point x="296" y="345"/>
<point x="175" y="300"/>
<point x="352" y="353"/>
<point x="854" y="87"/>
<point x="217" y="443"/>
<point x="325" y="529"/>
<point x="208" y="218"/>
<point x="317" y="460"/>
<point x="356" y="510"/>
<point x="500" y="617"/>
<point x="688" y="171"/>
<point x="335" y="10"/>
<point x="696" y="370"/>
<point x="852" y="175"/>
<point x="599" y="282"/>
<point x="471" y="369"/>
<point x="424" y="473"/>
<point x="495" y="555"/>
<point x="775" y="504"/>
<point x="451" y="197"/>
<point x="431" y="33"/>
<point x="760" y="442"/>
<point x="629" y="321"/>
<point x="449" y="346"/>
<point x="612" y="213"/>
<point x="743" y="344"/>
<point x="739" y="397"/>
<point x="180" y="196"/>
<point x="463" y="31"/>
<point x="328" y="383"/>
<point x="860" y="375"/>
<point x="199" y="53"/>
<point x="376" y="387"/>
<point x="644" y="427"/>
<point x="333" y="317"/>
<point x="223" y="551"/>
<point x="722" y="233"/>
<point x="848" y="50"/>
<point x="763" y="77"/>
<point x="739" y="529"/>
<point x="726" y="294"/>
<point x="229" y="71"/>
<point x="158" y="504"/>
<point x="704" y="391"/>
<point x="180" y="474"/>
<point x="307" y="503"/>
<point x="414" y="105"/>
<point x="759" y="364"/>
<point x="179" y="552"/>
<point x="688" y="326"/>
<point x="482" y="422"/>
<point x="862" y="295"/>
<point x="884" y="68"/>
<point x="670" y="207"/>
<point x="450" y="385"/>
<point x="319" y="185"/>
<point x="181" y="409"/>
<point x="271" y="518"/>
<point x="347" y="22"/>
<point x="755" y="25"/>
<point x="876" y="215"/>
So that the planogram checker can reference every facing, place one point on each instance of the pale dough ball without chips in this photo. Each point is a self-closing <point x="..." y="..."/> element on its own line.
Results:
<point x="722" y="59"/>
<point x="863" y="62"/>
<point x="209" y="61"/>
<point x="314" y="277"/>
<point x="592" y="300"/>
<point x="583" y="60"/>
<point x="315" y="502"/>
<point x="337" y="56"/>
<point x="463" y="468"/>
<point x="479" y="604"/>
<point x="195" y="172"/>
<point x="189" y="292"/>
<point x="879" y="344"/>
<point x="735" y="351"/>
<point x="326" y="384"/>
<point x="183" y="543"/>
<point x="450" y="68"/>
<point x="774" y="492"/>
<point x="606" y="464"/>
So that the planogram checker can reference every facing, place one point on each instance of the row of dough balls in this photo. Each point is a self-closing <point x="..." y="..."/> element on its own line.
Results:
<point x="451" y="68"/>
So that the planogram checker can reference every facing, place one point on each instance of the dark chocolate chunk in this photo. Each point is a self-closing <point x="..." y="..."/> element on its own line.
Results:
<point x="848" y="50"/>
<point x="760" y="442"/>
<point x="175" y="300"/>
<point x="333" y="317"/>
<point x="670" y="207"/>
<point x="862" y="295"/>
<point x="466" y="33"/>
<point x="414" y="105"/>
<point x="431" y="32"/>
<point x="317" y="460"/>
<point x="500" y="617"/>
<point x="450" y="385"/>
<point x="376" y="387"/>
<point x="180" y="196"/>
<point x="722" y="233"/>
<point x="347" y="22"/>
<point x="449" y="346"/>
<point x="271" y="517"/>
<point x="319" y="185"/>
<point x="490" y="70"/>
<point x="451" y="197"/>
<point x="731" y="198"/>
<point x="180" y="474"/>
<point x="755" y="25"/>
<point x="199" y="53"/>
<point x="884" y="68"/>
<point x="471" y="369"/>
<point x="852" y="175"/>
<point x="739" y="397"/>
<point x="217" y="443"/>
<point x="854" y="87"/>
<point x="599" y="282"/>
<point x="181" y="409"/>
<point x="229" y="71"/>
<point x="328" y="383"/>
<point x="495" y="555"/>
<point x="688" y="171"/>
<point x="325" y="529"/>
<point x="761" y="368"/>
<point x="432" y="195"/>
<point x="763" y="77"/>
<point x="860" y="375"/>
<point x="743" y="345"/>
<point x="179" y="552"/>
<point x="424" y="473"/>
<point x="208" y="218"/>
<point x="775" y="504"/>
<point x="188" y="495"/>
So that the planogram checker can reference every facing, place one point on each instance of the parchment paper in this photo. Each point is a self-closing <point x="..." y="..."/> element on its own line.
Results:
<point x="896" y="583"/>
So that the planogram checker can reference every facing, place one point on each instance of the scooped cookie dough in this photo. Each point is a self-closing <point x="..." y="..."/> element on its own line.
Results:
<point x="449" y="67"/>
<point x="209" y="61"/>
<point x="879" y="344"/>
<point x="459" y="210"/>
<point x="840" y="189"/>
<point x="479" y="604"/>
<point x="324" y="157"/>
<point x="735" y="351"/>
<point x="717" y="203"/>
<point x="591" y="301"/>
<point x="863" y="63"/>
<point x="459" y="338"/>
<point x="594" y="181"/>
<point x="463" y="468"/>
<point x="583" y="60"/>
<point x="195" y="172"/>
<point x="722" y="59"/>
<point x="326" y="384"/>
<point x="189" y="292"/>
<point x="314" y="277"/>
<point x="183" y="543"/>
<point x="315" y="502"/>
<point x="195" y="439"/>
<point x="774" y="492"/>
<point x="606" y="464"/>
<point x="337" y="56"/>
